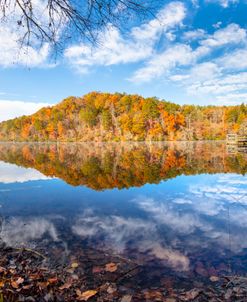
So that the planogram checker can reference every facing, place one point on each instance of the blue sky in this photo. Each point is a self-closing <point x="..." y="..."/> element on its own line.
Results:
<point x="192" y="52"/>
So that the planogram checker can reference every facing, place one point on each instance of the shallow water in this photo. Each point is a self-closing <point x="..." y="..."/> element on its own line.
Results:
<point x="177" y="209"/>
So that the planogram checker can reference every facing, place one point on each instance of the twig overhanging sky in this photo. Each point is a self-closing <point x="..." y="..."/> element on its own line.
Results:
<point x="191" y="52"/>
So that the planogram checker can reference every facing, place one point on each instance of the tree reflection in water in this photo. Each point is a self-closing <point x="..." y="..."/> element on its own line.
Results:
<point x="103" y="166"/>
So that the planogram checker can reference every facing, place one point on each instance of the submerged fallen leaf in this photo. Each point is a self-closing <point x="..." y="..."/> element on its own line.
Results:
<point x="97" y="269"/>
<point x="70" y="271"/>
<point x="86" y="295"/>
<point x="42" y="285"/>
<point x="75" y="277"/>
<point x="2" y="269"/>
<point x="19" y="280"/>
<point x="53" y="280"/>
<point x="111" y="289"/>
<point x="126" y="298"/>
<point x="228" y="294"/>
<point x="111" y="267"/>
<point x="14" y="284"/>
<point x="74" y="265"/>
<point x="214" y="278"/>
<point x="65" y="286"/>
<point x="191" y="294"/>
<point x="34" y="276"/>
<point x="201" y="271"/>
<point x="27" y="286"/>
<point x="153" y="295"/>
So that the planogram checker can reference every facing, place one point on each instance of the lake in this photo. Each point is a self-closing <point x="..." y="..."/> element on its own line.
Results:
<point x="173" y="214"/>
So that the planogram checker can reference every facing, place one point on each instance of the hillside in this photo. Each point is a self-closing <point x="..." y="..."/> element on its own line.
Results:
<point x="114" y="117"/>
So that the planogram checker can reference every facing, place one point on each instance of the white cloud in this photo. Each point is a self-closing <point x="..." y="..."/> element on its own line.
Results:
<point x="226" y="88"/>
<point x="219" y="78"/>
<point x="217" y="24"/>
<point x="202" y="209"/>
<point x="118" y="232"/>
<point x="232" y="98"/>
<point x="11" y="173"/>
<point x="173" y="258"/>
<point x="12" y="109"/>
<point x="162" y="213"/>
<point x="194" y="34"/>
<point x="195" y="60"/>
<point x="222" y="193"/>
<point x="13" y="51"/>
<point x="224" y="3"/>
<point x="160" y="64"/>
<point x="22" y="232"/>
<point x="170" y="36"/>
<point x="204" y="71"/>
<point x="195" y="3"/>
<point x="232" y="34"/>
<point x="168" y="17"/>
<point x="182" y="201"/>
<point x="234" y="60"/>
<point x="183" y="55"/>
<point x="115" y="48"/>
<point x="198" y="75"/>
<point x="183" y="58"/>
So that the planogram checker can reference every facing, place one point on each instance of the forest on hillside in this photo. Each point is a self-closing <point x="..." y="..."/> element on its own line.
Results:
<point x="121" y="117"/>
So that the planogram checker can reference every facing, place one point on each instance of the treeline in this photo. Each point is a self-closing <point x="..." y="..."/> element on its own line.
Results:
<point x="123" y="165"/>
<point x="122" y="117"/>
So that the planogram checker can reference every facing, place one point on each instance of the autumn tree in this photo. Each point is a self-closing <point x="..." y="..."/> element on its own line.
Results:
<point x="89" y="116"/>
<point x="107" y="117"/>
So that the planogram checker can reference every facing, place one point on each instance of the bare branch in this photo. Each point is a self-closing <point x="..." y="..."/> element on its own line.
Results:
<point x="57" y="21"/>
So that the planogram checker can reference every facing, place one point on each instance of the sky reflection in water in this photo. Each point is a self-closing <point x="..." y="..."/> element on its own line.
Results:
<point x="178" y="224"/>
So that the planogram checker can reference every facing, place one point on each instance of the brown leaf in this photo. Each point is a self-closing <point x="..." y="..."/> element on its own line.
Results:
<point x="111" y="267"/>
<point x="53" y="280"/>
<point x="86" y="295"/>
<point x="153" y="294"/>
<point x="65" y="286"/>
<point x="34" y="276"/>
<point x="14" y="284"/>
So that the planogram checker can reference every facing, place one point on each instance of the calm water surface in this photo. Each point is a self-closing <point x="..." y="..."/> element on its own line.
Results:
<point x="177" y="209"/>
